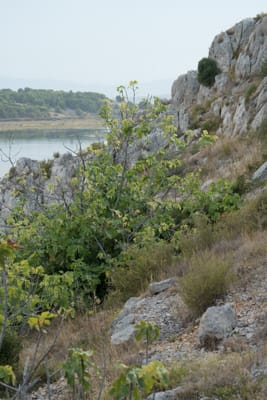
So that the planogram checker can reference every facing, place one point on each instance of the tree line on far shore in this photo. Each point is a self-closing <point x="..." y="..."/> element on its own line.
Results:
<point x="40" y="103"/>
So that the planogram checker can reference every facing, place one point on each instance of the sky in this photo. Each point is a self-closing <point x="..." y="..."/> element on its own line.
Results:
<point x="100" y="44"/>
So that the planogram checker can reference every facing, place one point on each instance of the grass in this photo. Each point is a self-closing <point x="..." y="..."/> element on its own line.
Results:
<point x="228" y="157"/>
<point x="207" y="279"/>
<point x="139" y="267"/>
<point x="220" y="376"/>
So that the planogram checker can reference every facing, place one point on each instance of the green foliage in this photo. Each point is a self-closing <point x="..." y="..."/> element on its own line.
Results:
<point x="7" y="374"/>
<point x="206" y="139"/>
<point x="115" y="212"/>
<point x="207" y="279"/>
<point x="197" y="114"/>
<point x="11" y="347"/>
<point x="244" y="388"/>
<point x="38" y="103"/>
<point x="207" y="70"/>
<point x="116" y="204"/>
<point x="38" y="322"/>
<point x="78" y="370"/>
<point x="46" y="168"/>
<point x="250" y="91"/>
<point x="211" y="124"/>
<point x="217" y="199"/>
<point x="56" y="154"/>
<point x="137" y="267"/>
<point x="263" y="70"/>
<point x="147" y="331"/>
<point x="135" y="383"/>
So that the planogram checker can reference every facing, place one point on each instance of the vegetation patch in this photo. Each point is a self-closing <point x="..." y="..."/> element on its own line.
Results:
<point x="207" y="71"/>
<point x="207" y="279"/>
<point x="39" y="103"/>
<point x="250" y="91"/>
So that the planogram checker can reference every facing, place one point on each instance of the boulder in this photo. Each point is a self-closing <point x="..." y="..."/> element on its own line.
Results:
<point x="261" y="172"/>
<point x="216" y="324"/>
<point x="162" y="309"/>
<point x="157" y="287"/>
<point x="167" y="395"/>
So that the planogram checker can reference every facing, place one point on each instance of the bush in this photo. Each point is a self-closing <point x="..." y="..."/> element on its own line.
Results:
<point x="9" y="354"/>
<point x="207" y="70"/>
<point x="207" y="279"/>
<point x="138" y="268"/>
<point x="211" y="124"/>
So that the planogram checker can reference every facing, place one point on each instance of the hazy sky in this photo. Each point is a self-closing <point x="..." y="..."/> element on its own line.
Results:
<point x="112" y="41"/>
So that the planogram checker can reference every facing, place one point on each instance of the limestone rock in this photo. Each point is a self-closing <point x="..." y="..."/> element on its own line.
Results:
<point x="167" y="395"/>
<point x="216" y="323"/>
<point x="157" y="287"/>
<point x="239" y="53"/>
<point x="161" y="309"/>
<point x="261" y="172"/>
<point x="185" y="88"/>
<point x="240" y="118"/>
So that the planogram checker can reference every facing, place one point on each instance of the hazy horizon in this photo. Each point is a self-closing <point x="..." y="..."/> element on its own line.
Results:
<point x="83" y="44"/>
<point x="157" y="87"/>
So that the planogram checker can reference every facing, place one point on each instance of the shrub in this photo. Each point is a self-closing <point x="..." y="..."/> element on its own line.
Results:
<point x="207" y="70"/>
<point x="46" y="168"/>
<point x="207" y="279"/>
<point x="138" y="268"/>
<point x="211" y="124"/>
<point x="250" y="91"/>
<point x="10" y="349"/>
<point x="263" y="70"/>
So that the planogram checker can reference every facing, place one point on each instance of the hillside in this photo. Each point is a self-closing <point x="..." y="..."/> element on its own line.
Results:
<point x="159" y="232"/>
<point x="36" y="104"/>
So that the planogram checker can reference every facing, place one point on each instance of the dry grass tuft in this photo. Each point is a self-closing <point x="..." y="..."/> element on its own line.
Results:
<point x="86" y="332"/>
<point x="224" y="375"/>
<point x="228" y="157"/>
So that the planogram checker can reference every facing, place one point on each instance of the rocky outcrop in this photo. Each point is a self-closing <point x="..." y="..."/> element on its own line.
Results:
<point x="261" y="172"/>
<point x="160" y="308"/>
<point x="35" y="184"/>
<point x="237" y="100"/>
<point x="216" y="324"/>
<point x="158" y="287"/>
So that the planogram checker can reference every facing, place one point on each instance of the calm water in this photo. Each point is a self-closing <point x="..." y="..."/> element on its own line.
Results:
<point x="42" y="145"/>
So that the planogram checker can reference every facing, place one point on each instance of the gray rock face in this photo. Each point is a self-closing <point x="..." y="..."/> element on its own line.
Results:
<point x="261" y="172"/>
<point x="33" y="186"/>
<point x="216" y="323"/>
<point x="184" y="91"/>
<point x="225" y="45"/>
<point x="185" y="88"/>
<point x="161" y="309"/>
<point x="240" y="118"/>
<point x="168" y="395"/>
<point x="239" y="53"/>
<point x="157" y="287"/>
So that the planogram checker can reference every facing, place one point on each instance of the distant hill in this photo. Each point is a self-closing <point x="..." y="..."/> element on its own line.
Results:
<point x="46" y="104"/>
<point x="160" y="88"/>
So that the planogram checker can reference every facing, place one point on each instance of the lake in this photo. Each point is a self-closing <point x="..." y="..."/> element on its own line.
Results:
<point x="41" y="145"/>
